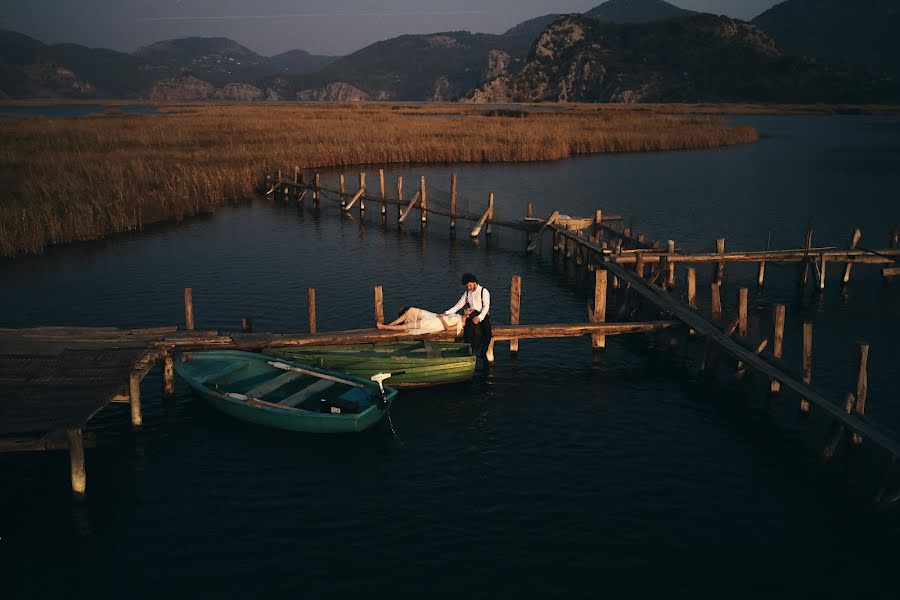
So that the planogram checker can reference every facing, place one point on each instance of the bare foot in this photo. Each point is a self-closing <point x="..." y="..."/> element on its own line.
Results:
<point x="380" y="325"/>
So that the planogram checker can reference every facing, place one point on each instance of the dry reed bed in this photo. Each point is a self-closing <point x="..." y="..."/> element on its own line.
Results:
<point x="79" y="179"/>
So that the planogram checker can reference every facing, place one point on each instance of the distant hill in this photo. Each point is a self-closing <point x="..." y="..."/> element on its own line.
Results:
<point x="298" y="62"/>
<point x="699" y="58"/>
<point x="861" y="34"/>
<point x="636" y="11"/>
<point x="440" y="66"/>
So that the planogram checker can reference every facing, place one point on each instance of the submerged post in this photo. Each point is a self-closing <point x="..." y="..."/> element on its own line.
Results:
<point x="598" y="221"/>
<point x="246" y="325"/>
<point x="807" y="244"/>
<point x="488" y="229"/>
<point x="742" y="312"/>
<point x="670" y="264"/>
<point x="862" y="385"/>
<point x="822" y="271"/>
<point x="807" y="362"/>
<point x="343" y="200"/>
<point x="399" y="196"/>
<point x="316" y="180"/>
<point x="379" y="304"/>
<point x="778" y="342"/>
<point x="515" y="295"/>
<point x="453" y="200"/>
<point x="362" y="190"/>
<point x="761" y="274"/>
<point x="188" y="308"/>
<point x="76" y="461"/>
<point x="168" y="373"/>
<point x="639" y="264"/>
<point x="311" y="308"/>
<point x="381" y="187"/>
<point x="854" y="240"/>
<point x="715" y="300"/>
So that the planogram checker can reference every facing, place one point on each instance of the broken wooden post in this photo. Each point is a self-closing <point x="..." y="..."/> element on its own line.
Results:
<point x="188" y="309"/>
<point x="854" y="240"/>
<point x="692" y="287"/>
<point x="168" y="373"/>
<point x="742" y="312"/>
<point x="423" y="200"/>
<point x="311" y="308"/>
<point x="487" y="213"/>
<point x="362" y="193"/>
<point x="379" y="304"/>
<point x="76" y="461"/>
<point x="862" y="386"/>
<point x="399" y="196"/>
<point x="488" y="230"/>
<point x="777" y="342"/>
<point x="837" y="429"/>
<point x="598" y="341"/>
<point x="343" y="201"/>
<point x="406" y="212"/>
<point x="807" y="362"/>
<point x="720" y="266"/>
<point x="715" y="301"/>
<point x="134" y="398"/>
<point x="670" y="264"/>
<point x="515" y="295"/>
<point x="895" y="238"/>
<point x="453" y="200"/>
<point x="537" y="237"/>
<point x="761" y="273"/>
<point x="246" y="325"/>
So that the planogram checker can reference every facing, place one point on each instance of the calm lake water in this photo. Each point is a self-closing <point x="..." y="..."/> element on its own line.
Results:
<point x="547" y="476"/>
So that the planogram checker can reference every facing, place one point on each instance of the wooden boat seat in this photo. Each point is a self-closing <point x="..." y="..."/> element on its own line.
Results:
<point x="273" y="384"/>
<point x="306" y="393"/>
<point x="219" y="370"/>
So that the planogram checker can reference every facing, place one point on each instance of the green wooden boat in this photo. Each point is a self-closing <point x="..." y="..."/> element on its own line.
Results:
<point x="282" y="394"/>
<point x="412" y="363"/>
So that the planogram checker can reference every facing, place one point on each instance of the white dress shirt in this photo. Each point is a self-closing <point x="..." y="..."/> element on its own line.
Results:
<point x="474" y="300"/>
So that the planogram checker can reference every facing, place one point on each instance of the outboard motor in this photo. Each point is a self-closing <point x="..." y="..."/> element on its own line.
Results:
<point x="379" y="378"/>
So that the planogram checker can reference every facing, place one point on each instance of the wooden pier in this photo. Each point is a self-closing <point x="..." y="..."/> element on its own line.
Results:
<point x="53" y="380"/>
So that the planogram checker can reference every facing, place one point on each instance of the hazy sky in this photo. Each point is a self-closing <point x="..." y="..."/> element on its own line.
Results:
<point x="271" y="26"/>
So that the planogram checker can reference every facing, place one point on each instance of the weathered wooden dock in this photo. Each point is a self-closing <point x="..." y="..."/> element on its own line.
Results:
<point x="53" y="380"/>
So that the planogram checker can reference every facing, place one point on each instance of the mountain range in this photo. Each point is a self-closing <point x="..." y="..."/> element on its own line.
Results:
<point x="621" y="50"/>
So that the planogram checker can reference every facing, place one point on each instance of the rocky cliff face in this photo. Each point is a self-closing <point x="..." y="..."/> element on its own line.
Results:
<point x="181" y="89"/>
<point x="337" y="91"/>
<point x="699" y="58"/>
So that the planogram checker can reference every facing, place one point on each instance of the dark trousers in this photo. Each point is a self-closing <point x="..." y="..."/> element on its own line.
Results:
<point x="478" y="336"/>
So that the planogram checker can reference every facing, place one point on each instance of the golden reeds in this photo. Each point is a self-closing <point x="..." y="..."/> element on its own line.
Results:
<point x="78" y="179"/>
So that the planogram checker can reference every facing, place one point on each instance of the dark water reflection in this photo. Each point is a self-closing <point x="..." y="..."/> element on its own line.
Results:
<point x="546" y="475"/>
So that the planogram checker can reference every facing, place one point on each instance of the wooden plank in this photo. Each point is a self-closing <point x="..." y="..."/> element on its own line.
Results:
<point x="884" y="256"/>
<point x="554" y="216"/>
<point x="280" y="365"/>
<point x="862" y="386"/>
<point x="598" y="314"/>
<point x="487" y="213"/>
<point x="306" y="393"/>
<point x="356" y="197"/>
<point x="854" y="241"/>
<point x="41" y="444"/>
<point x="273" y="384"/>
<point x="409" y="208"/>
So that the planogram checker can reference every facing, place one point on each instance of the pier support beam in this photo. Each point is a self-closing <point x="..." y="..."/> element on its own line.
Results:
<point x="807" y="362"/>
<point x="76" y="461"/>
<point x="423" y="201"/>
<point x="453" y="200"/>
<point x="742" y="312"/>
<point x="515" y="296"/>
<point x="715" y="290"/>
<point x="188" y="309"/>
<point x="862" y="386"/>
<point x="778" y="342"/>
<point x="692" y="287"/>
<point x="134" y="398"/>
<point x="379" y="304"/>
<point x="168" y="374"/>
<point x="598" y="342"/>
<point x="311" y="308"/>
<point x="720" y="266"/>
<point x="854" y="240"/>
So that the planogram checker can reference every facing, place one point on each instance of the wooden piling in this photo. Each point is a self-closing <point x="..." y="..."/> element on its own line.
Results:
<point x="742" y="312"/>
<point x="715" y="301"/>
<point x="75" y="439"/>
<point x="515" y="295"/>
<point x="692" y="287"/>
<point x="488" y="229"/>
<point x="807" y="362"/>
<point x="188" y="309"/>
<point x="639" y="264"/>
<point x="423" y="200"/>
<point x="807" y="244"/>
<point x="821" y="272"/>
<point x="670" y="264"/>
<point x="134" y="398"/>
<point x="379" y="304"/>
<point x="343" y="200"/>
<point x="362" y="191"/>
<point x="399" y="196"/>
<point x="895" y="238"/>
<point x="311" y="308"/>
<point x="316" y="181"/>
<point x="778" y="342"/>
<point x="854" y="240"/>
<point x="720" y="266"/>
<point x="453" y="200"/>
<point x="761" y="273"/>
<point x="246" y="324"/>
<point x="598" y="221"/>
<point x="529" y="211"/>
<point x="168" y="374"/>
<point x="383" y="196"/>
<point x="599" y="313"/>
<point x="862" y="386"/>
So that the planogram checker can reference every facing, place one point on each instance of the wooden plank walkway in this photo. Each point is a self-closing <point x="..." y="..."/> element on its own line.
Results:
<point x="887" y="439"/>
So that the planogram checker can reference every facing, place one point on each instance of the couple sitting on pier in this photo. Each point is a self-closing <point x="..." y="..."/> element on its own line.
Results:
<point x="474" y="323"/>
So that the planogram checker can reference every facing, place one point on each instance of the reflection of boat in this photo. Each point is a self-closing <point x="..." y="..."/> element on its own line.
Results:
<point x="258" y="389"/>
<point x="413" y="363"/>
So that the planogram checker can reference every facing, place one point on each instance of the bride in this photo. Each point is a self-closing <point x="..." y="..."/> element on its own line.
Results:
<point x="417" y="321"/>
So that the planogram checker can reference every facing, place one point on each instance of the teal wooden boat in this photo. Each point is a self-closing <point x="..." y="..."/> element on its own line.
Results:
<point x="282" y="394"/>
<point x="412" y="363"/>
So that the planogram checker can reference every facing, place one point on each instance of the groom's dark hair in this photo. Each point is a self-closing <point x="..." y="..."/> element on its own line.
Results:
<point x="469" y="278"/>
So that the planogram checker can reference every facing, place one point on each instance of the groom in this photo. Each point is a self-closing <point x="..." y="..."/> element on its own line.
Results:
<point x="477" y="300"/>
